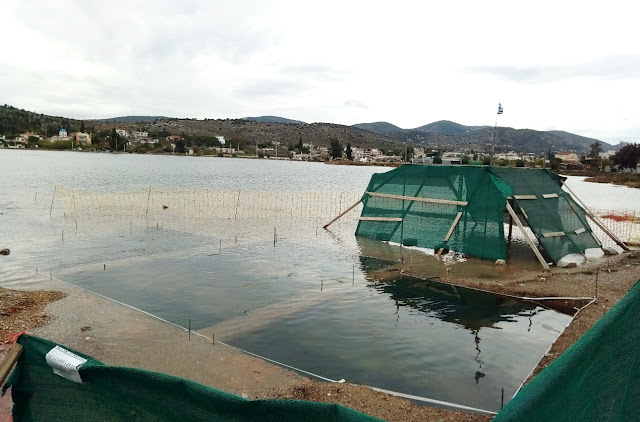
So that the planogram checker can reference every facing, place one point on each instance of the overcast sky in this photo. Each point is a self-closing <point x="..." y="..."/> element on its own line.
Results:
<point x="565" y="65"/>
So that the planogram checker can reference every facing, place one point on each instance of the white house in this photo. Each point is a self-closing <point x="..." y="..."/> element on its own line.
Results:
<point x="83" y="138"/>
<point x="567" y="156"/>
<point x="140" y="135"/>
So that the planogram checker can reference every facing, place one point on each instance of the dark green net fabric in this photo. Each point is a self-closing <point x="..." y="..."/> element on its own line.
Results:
<point x="474" y="198"/>
<point x="110" y="393"/>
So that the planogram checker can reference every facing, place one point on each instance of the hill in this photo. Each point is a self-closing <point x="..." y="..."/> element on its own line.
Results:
<point x="448" y="128"/>
<point x="252" y="132"/>
<point x="381" y="128"/>
<point x="274" y="119"/>
<point x="266" y="130"/>
<point x="14" y="121"/>
<point x="449" y="134"/>
<point x="129" y="119"/>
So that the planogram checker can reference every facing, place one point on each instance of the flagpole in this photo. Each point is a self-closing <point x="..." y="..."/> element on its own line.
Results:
<point x="493" y="141"/>
<point x="493" y="138"/>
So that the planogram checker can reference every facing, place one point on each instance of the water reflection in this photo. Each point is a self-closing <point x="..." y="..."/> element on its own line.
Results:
<point x="473" y="310"/>
<point x="469" y="308"/>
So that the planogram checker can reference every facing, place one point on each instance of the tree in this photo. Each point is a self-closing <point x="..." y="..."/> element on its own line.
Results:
<point x="595" y="149"/>
<point x="299" y="144"/>
<point x="594" y="153"/>
<point x="628" y="156"/>
<point x="437" y="160"/>
<point x="349" y="152"/>
<point x="115" y="140"/>
<point x="336" y="149"/>
<point x="181" y="146"/>
<point x="486" y="161"/>
<point x="82" y="127"/>
<point x="407" y="154"/>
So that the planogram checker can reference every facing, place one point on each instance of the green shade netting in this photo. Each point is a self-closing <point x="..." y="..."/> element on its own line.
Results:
<point x="550" y="214"/>
<point x="596" y="379"/>
<point x="480" y="229"/>
<point x="109" y="393"/>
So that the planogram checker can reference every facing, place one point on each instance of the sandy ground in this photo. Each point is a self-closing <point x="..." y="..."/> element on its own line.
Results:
<point x="121" y="336"/>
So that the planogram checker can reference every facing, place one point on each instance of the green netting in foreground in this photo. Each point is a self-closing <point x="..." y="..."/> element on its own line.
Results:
<point x="478" y="195"/>
<point x="109" y="393"/>
<point x="596" y="379"/>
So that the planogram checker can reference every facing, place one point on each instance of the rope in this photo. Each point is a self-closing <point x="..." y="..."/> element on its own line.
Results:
<point x="549" y="349"/>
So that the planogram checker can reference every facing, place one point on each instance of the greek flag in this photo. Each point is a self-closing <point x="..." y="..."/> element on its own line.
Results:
<point x="500" y="110"/>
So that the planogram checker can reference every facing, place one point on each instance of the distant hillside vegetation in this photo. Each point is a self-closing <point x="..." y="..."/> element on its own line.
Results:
<point x="14" y="121"/>
<point x="274" y="119"/>
<point x="129" y="119"/>
<point x="266" y="130"/>
<point x="382" y="128"/>
<point x="451" y="135"/>
<point x="448" y="128"/>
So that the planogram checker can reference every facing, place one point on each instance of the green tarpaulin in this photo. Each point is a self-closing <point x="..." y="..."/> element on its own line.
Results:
<point x="98" y="392"/>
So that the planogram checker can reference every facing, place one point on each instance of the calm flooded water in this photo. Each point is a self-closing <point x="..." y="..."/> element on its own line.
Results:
<point x="237" y="247"/>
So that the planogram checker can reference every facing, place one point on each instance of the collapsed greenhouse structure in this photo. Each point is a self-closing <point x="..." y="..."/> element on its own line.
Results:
<point x="464" y="208"/>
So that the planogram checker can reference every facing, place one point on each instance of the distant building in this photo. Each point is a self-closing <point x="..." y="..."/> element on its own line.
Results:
<point x="138" y="136"/>
<point x="83" y="138"/>
<point x="607" y="154"/>
<point x="122" y="132"/>
<point x="23" y="138"/>
<point x="509" y="156"/>
<point x="567" y="157"/>
<point x="228" y="152"/>
<point x="62" y="136"/>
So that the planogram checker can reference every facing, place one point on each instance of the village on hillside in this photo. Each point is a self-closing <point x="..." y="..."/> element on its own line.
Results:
<point x="142" y="142"/>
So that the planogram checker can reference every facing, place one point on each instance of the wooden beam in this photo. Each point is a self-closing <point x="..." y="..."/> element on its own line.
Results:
<point x="380" y="219"/>
<point x="597" y="221"/>
<point x="550" y="195"/>
<point x="416" y="198"/>
<point x="526" y="236"/>
<point x="553" y="234"/>
<point x="9" y="361"/>
<point x="453" y="226"/>
<point x="525" y="196"/>
<point x="346" y="211"/>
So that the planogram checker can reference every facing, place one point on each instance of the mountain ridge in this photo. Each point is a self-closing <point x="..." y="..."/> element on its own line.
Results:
<point x="444" y="135"/>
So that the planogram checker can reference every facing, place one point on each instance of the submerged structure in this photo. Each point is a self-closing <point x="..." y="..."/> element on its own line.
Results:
<point x="463" y="209"/>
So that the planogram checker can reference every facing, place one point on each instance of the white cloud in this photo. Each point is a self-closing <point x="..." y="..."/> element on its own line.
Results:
<point x="554" y="65"/>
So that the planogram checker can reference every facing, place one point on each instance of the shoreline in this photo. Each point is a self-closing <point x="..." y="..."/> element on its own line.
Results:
<point x="121" y="336"/>
<point x="630" y="180"/>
